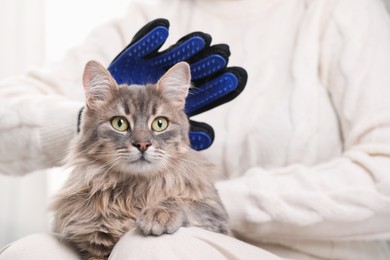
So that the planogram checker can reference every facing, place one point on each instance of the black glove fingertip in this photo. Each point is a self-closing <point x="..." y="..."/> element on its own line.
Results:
<point x="219" y="89"/>
<point x="205" y="36"/>
<point x="201" y="135"/>
<point x="79" y="119"/>
<point x="219" y="49"/>
<point x="149" y="27"/>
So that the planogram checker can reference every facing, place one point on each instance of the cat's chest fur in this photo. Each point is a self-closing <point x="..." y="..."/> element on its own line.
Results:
<point x="120" y="204"/>
<point x="107" y="209"/>
<point x="112" y="201"/>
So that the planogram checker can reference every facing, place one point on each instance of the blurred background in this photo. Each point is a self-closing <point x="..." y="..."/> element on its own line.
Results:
<point x="33" y="32"/>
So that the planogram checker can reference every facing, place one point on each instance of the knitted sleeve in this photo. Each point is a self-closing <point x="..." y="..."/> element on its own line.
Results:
<point x="39" y="110"/>
<point x="347" y="197"/>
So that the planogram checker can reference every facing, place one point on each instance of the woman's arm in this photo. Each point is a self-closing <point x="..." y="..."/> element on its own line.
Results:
<point x="39" y="110"/>
<point x="348" y="197"/>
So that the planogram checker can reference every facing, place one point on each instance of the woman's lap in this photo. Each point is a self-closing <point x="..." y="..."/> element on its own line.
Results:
<point x="38" y="246"/>
<point x="186" y="243"/>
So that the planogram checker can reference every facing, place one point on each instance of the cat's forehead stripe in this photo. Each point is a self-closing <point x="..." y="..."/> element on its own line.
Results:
<point x="126" y="107"/>
<point x="141" y="102"/>
<point x="154" y="109"/>
<point x="122" y="109"/>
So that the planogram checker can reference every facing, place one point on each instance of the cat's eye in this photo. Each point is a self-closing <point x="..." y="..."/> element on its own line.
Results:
<point x="160" y="124"/>
<point x="120" y="123"/>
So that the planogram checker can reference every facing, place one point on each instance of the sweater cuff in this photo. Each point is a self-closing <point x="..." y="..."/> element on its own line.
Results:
<point x="234" y="196"/>
<point x="60" y="129"/>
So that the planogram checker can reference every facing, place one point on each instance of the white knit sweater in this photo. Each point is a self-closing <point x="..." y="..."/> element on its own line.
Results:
<point x="305" y="149"/>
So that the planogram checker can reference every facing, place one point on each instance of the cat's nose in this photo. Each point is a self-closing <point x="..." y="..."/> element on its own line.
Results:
<point x="142" y="146"/>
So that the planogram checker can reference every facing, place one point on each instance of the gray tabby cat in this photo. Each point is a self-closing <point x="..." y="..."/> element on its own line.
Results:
<point x="132" y="166"/>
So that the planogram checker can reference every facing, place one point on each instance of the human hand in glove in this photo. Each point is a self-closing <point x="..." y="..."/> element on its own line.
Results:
<point x="213" y="82"/>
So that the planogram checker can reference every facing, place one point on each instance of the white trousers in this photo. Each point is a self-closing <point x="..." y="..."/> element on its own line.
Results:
<point x="186" y="243"/>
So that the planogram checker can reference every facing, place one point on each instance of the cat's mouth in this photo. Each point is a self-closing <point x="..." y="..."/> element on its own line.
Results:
<point x="143" y="160"/>
<point x="142" y="163"/>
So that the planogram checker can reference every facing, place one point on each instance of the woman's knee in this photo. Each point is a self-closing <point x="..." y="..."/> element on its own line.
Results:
<point x="180" y="245"/>
<point x="186" y="243"/>
<point x="38" y="247"/>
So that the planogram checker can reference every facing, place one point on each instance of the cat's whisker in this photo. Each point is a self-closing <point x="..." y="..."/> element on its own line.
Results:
<point x="107" y="167"/>
<point x="106" y="163"/>
<point x="113" y="163"/>
<point x="195" y="90"/>
<point x="174" y="157"/>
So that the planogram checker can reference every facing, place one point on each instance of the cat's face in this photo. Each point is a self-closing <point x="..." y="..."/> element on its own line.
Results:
<point x="135" y="129"/>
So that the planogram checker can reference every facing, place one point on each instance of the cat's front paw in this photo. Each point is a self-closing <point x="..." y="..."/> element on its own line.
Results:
<point x="158" y="220"/>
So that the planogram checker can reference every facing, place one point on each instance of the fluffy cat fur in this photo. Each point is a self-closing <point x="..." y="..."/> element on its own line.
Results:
<point x="138" y="178"/>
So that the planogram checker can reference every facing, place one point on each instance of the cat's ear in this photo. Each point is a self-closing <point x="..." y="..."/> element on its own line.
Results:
<point x="175" y="83"/>
<point x="98" y="83"/>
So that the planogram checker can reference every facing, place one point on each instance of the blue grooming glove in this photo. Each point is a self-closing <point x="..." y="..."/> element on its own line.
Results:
<point x="214" y="83"/>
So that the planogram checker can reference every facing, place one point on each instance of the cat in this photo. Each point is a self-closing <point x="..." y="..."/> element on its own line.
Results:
<point x="131" y="166"/>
